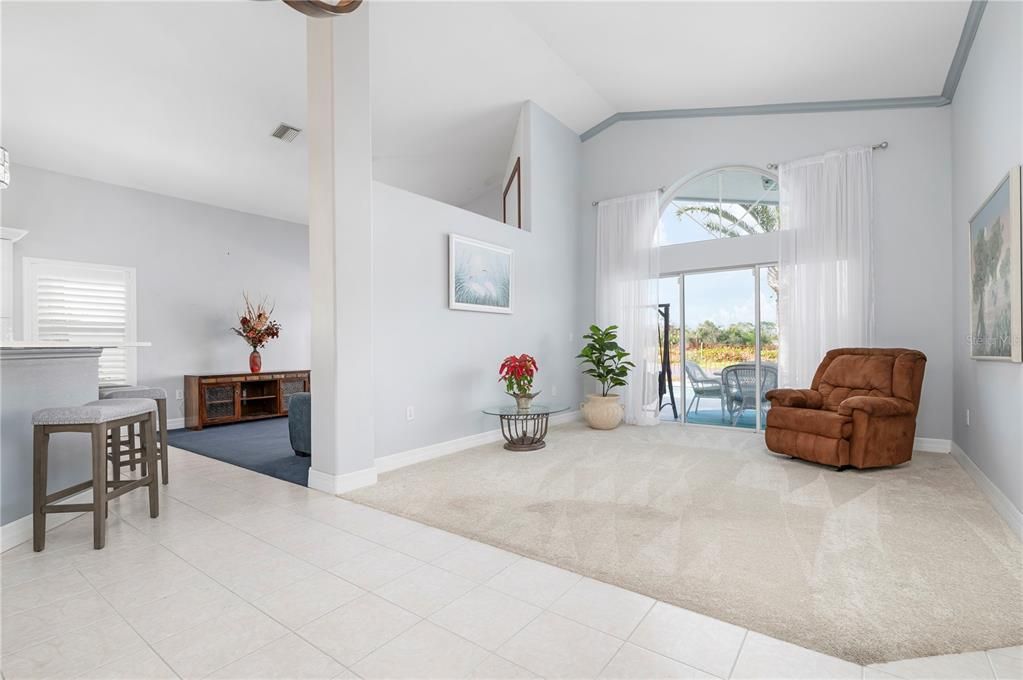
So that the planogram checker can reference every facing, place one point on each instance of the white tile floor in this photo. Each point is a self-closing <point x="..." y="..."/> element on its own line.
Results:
<point x="245" y="576"/>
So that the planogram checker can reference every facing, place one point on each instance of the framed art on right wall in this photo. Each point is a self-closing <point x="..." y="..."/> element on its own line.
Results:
<point x="996" y="275"/>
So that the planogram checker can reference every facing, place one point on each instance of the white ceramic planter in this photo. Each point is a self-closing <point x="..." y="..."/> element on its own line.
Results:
<point x="603" y="413"/>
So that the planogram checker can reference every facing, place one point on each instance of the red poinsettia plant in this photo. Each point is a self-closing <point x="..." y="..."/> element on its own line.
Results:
<point x="517" y="373"/>
<point x="255" y="326"/>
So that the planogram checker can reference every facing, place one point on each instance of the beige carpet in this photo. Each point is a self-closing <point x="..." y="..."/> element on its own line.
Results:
<point x="869" y="566"/>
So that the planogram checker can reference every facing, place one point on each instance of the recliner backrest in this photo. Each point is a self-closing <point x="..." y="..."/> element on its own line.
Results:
<point x="872" y="372"/>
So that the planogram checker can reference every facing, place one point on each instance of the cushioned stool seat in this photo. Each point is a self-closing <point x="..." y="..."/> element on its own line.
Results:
<point x="94" y="412"/>
<point x="114" y="449"/>
<point x="106" y="389"/>
<point x="136" y="392"/>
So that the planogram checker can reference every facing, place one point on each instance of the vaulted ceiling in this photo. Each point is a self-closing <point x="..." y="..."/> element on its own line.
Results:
<point x="180" y="97"/>
<point x="687" y="55"/>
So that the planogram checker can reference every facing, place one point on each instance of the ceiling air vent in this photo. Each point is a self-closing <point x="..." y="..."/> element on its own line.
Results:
<point x="285" y="133"/>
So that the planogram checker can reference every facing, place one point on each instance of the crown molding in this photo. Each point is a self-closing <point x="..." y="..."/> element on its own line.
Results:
<point x="955" y="69"/>
<point x="769" y="109"/>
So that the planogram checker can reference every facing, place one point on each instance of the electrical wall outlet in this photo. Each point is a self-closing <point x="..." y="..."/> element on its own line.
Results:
<point x="410" y="413"/>
<point x="967" y="417"/>
<point x="180" y="394"/>
<point x="554" y="390"/>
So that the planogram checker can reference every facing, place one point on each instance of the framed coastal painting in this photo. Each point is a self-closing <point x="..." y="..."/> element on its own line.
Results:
<point x="996" y="275"/>
<point x="480" y="276"/>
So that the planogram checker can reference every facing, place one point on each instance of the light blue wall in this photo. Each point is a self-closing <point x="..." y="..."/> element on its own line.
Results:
<point x="987" y="140"/>
<point x="192" y="262"/>
<point x="913" y="239"/>
<point x="444" y="363"/>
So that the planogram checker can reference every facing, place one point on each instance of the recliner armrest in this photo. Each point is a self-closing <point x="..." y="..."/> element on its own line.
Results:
<point x="877" y="406"/>
<point x="795" y="398"/>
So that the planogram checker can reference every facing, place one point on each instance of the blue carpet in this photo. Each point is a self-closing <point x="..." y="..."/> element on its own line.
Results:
<point x="259" y="445"/>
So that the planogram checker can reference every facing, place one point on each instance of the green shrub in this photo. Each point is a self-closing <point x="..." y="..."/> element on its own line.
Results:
<point x="715" y="357"/>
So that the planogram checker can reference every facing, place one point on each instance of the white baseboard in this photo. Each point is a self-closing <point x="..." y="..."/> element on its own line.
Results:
<point x="431" y="451"/>
<point x="338" y="484"/>
<point x="999" y="501"/>
<point x="932" y="445"/>
<point x="20" y="530"/>
<point x="567" y="417"/>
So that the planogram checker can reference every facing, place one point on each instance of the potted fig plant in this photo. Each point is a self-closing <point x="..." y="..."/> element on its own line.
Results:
<point x="517" y="374"/>
<point x="608" y="363"/>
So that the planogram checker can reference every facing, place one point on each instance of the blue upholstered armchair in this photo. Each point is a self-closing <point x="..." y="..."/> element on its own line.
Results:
<point x="299" y="423"/>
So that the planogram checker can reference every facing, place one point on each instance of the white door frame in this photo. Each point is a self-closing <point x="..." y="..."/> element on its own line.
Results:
<point x="755" y="269"/>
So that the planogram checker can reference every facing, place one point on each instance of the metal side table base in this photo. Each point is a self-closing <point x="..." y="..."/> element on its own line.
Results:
<point x="524" y="429"/>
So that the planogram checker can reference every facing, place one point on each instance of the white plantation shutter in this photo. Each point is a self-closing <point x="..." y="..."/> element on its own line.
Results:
<point x="81" y="303"/>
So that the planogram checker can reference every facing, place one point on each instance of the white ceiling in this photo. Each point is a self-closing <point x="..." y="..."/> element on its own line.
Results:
<point x="644" y="56"/>
<point x="176" y="98"/>
<point x="180" y="97"/>
<point x="449" y="80"/>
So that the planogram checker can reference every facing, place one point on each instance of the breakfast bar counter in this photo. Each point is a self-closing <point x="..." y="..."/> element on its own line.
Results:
<point x="36" y="375"/>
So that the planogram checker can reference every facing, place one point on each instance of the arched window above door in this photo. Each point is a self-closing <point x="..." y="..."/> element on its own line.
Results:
<point x="726" y="202"/>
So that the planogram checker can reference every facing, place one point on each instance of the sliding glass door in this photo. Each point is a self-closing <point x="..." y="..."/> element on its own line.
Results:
<point x="722" y="334"/>
<point x="767" y="310"/>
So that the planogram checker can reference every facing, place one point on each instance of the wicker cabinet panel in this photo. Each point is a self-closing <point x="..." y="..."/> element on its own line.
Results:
<point x="220" y="402"/>
<point x="219" y="410"/>
<point x="219" y="393"/>
<point x="290" y="386"/>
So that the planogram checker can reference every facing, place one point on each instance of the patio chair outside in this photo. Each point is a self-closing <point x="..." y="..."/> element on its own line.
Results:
<point x="703" y="386"/>
<point x="739" y="382"/>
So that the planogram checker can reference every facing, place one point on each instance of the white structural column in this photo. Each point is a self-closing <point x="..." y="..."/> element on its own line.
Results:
<point x="341" y="251"/>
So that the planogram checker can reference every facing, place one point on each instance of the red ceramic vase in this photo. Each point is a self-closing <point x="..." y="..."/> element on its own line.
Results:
<point x="255" y="362"/>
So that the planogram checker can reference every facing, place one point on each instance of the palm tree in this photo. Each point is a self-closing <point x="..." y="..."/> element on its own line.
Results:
<point x="729" y="220"/>
<point x="723" y="223"/>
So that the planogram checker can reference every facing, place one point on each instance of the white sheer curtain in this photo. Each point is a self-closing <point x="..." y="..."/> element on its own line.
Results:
<point x="826" y="286"/>
<point x="627" y="273"/>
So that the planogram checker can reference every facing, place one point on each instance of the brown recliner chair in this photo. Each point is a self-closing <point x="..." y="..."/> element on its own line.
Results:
<point x="860" y="410"/>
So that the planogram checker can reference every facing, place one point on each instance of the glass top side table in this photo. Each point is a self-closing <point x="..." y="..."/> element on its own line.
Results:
<point x="524" y="429"/>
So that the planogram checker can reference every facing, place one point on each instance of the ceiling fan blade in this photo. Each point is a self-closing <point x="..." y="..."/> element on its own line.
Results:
<point x="322" y="8"/>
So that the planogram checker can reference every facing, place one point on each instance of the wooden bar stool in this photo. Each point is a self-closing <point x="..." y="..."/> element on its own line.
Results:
<point x="97" y="418"/>
<point x="104" y="390"/>
<point x="127" y="456"/>
<point x="130" y="433"/>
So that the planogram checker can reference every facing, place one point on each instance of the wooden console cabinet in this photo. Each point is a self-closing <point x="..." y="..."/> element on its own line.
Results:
<point x="237" y="397"/>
